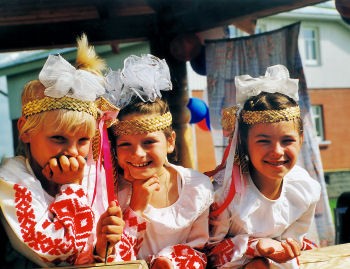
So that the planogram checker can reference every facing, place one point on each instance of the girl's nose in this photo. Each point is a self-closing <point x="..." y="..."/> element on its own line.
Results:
<point x="139" y="150"/>
<point x="277" y="149"/>
<point x="71" y="150"/>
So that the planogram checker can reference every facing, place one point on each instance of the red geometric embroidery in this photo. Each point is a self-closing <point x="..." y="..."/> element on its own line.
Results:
<point x="222" y="252"/>
<point x="186" y="257"/>
<point x="77" y="221"/>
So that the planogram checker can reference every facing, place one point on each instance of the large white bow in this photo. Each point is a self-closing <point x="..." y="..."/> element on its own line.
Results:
<point x="276" y="79"/>
<point x="62" y="79"/>
<point x="143" y="76"/>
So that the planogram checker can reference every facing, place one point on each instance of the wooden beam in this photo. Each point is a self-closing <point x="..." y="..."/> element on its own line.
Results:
<point x="63" y="34"/>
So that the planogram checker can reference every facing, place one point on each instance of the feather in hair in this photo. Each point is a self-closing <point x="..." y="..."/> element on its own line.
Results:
<point x="87" y="59"/>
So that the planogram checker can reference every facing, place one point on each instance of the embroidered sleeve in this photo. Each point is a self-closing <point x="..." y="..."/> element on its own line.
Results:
<point x="183" y="257"/>
<point x="59" y="234"/>
<point x="129" y="245"/>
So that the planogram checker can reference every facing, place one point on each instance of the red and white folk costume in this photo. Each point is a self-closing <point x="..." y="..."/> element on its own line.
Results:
<point x="46" y="230"/>
<point x="241" y="213"/>
<point x="55" y="230"/>
<point x="178" y="231"/>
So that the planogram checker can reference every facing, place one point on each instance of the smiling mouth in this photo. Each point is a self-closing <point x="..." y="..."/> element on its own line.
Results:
<point x="139" y="164"/>
<point x="276" y="163"/>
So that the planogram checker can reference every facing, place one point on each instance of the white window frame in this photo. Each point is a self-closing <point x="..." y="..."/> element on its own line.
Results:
<point x="317" y="116"/>
<point x="311" y="46"/>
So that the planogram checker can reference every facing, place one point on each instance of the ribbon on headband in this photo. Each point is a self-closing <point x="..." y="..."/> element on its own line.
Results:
<point x="108" y="115"/>
<point x="62" y="79"/>
<point x="276" y="79"/>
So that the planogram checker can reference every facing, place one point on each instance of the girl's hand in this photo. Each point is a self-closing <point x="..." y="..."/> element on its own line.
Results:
<point x="65" y="170"/>
<point x="162" y="263"/>
<point x="142" y="190"/>
<point x="109" y="229"/>
<point x="279" y="252"/>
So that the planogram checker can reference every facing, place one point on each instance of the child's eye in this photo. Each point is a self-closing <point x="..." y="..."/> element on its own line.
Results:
<point x="148" y="142"/>
<point x="58" y="139"/>
<point x="289" y="141"/>
<point x="84" y="140"/>
<point x="263" y="141"/>
<point x="123" y="144"/>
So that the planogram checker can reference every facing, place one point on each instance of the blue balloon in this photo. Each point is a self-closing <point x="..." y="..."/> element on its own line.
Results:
<point x="199" y="109"/>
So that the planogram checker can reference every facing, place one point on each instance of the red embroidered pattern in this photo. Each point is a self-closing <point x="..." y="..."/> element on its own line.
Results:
<point x="77" y="220"/>
<point x="308" y="244"/>
<point x="186" y="257"/>
<point x="132" y="221"/>
<point x="222" y="252"/>
<point x="251" y="251"/>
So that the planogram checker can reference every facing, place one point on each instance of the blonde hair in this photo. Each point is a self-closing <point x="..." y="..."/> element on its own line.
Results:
<point x="60" y="119"/>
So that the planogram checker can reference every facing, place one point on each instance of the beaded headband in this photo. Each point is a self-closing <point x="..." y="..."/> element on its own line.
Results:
<point x="142" y="126"/>
<point x="49" y="103"/>
<point x="270" y="116"/>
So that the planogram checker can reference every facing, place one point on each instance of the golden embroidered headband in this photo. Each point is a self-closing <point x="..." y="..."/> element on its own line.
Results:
<point x="49" y="103"/>
<point x="142" y="126"/>
<point x="270" y="116"/>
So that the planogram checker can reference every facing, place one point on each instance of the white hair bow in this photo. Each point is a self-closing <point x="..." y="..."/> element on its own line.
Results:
<point x="62" y="79"/>
<point x="276" y="79"/>
<point x="143" y="76"/>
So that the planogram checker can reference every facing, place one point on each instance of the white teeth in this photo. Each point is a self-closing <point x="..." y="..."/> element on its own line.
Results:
<point x="139" y="164"/>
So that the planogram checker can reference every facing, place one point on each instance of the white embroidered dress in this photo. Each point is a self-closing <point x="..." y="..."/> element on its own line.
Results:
<point x="183" y="223"/>
<point x="253" y="215"/>
<point x="46" y="230"/>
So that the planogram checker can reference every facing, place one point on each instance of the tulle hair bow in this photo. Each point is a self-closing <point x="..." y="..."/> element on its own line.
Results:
<point x="62" y="79"/>
<point x="144" y="76"/>
<point x="276" y="79"/>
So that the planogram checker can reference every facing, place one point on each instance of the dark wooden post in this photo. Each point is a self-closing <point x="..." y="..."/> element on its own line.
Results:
<point x="177" y="99"/>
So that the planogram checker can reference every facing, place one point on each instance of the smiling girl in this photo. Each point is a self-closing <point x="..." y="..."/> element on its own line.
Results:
<point x="45" y="209"/>
<point x="266" y="202"/>
<point x="166" y="205"/>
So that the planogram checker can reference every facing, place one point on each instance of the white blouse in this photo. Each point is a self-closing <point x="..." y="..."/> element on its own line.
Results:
<point x="184" y="222"/>
<point x="251" y="214"/>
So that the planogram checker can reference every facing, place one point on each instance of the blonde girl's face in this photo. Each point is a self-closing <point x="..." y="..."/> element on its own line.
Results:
<point x="51" y="142"/>
<point x="143" y="155"/>
<point x="273" y="149"/>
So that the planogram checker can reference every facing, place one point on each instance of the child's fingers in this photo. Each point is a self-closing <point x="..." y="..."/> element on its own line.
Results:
<point x="54" y="166"/>
<point x="152" y="183"/>
<point x="74" y="164"/>
<point x="81" y="161"/>
<point x="294" y="246"/>
<point x="114" y="210"/>
<point x="64" y="163"/>
<point x="288" y="250"/>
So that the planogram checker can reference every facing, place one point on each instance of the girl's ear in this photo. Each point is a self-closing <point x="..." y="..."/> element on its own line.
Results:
<point x="20" y="123"/>
<point x="171" y="142"/>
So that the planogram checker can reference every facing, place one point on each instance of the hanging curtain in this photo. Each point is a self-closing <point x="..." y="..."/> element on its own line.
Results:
<point x="251" y="55"/>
